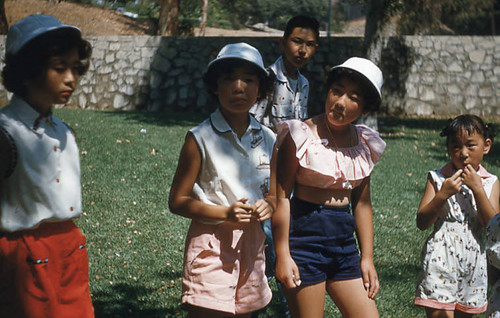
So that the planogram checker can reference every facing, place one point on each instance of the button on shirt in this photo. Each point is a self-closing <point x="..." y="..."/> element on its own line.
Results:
<point x="288" y="101"/>
<point x="45" y="182"/>
<point x="231" y="168"/>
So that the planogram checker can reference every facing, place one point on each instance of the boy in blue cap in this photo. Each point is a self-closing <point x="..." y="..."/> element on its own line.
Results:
<point x="43" y="258"/>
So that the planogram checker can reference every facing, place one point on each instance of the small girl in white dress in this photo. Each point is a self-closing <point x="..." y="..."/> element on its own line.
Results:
<point x="459" y="200"/>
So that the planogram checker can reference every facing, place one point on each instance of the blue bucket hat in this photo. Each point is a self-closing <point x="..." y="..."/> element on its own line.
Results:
<point x="31" y="27"/>
<point x="241" y="51"/>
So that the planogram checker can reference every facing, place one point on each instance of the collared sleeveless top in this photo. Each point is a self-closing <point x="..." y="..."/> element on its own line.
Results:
<point x="44" y="182"/>
<point x="231" y="168"/>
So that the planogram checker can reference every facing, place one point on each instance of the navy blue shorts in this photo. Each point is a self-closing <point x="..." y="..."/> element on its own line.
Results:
<point x="322" y="242"/>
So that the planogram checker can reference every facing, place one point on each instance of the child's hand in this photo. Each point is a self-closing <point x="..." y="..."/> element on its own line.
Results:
<point x="240" y="211"/>
<point x="287" y="272"/>
<point x="452" y="184"/>
<point x="370" y="277"/>
<point x="262" y="210"/>
<point x="471" y="178"/>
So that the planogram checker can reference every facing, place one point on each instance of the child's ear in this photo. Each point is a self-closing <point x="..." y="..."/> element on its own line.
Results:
<point x="487" y="146"/>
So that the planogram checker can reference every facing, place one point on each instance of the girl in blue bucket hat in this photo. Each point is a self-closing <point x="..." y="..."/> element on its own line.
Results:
<point x="225" y="184"/>
<point x="43" y="258"/>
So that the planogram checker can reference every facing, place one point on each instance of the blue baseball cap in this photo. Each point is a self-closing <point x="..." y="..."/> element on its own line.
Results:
<point x="30" y="27"/>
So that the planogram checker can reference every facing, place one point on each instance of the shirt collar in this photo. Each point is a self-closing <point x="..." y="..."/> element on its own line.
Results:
<point x="220" y="124"/>
<point x="279" y="69"/>
<point x="448" y="170"/>
<point x="29" y="116"/>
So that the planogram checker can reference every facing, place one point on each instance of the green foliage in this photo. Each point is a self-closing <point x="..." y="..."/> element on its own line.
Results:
<point x="136" y="245"/>
<point x="466" y="17"/>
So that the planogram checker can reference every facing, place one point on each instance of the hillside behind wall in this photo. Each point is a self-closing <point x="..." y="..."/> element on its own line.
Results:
<point x="424" y="75"/>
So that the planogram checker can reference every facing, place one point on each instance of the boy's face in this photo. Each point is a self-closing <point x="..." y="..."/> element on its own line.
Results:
<point x="238" y="90"/>
<point x="465" y="149"/>
<point x="299" y="47"/>
<point x="59" y="82"/>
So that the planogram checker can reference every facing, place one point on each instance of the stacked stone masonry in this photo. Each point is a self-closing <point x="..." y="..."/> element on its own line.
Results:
<point x="424" y="75"/>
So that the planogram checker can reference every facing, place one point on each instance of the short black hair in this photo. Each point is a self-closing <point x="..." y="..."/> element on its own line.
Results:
<point x="369" y="92"/>
<point x="302" y="21"/>
<point x="470" y="124"/>
<point x="32" y="61"/>
<point x="226" y="66"/>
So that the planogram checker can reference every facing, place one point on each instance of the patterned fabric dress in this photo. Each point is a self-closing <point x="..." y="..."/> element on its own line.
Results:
<point x="454" y="273"/>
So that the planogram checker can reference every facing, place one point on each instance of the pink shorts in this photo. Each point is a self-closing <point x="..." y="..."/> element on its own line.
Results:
<point x="224" y="267"/>
<point x="44" y="273"/>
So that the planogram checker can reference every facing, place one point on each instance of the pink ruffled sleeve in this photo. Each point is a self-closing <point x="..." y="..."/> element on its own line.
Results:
<point x="298" y="131"/>
<point x="329" y="167"/>
<point x="374" y="143"/>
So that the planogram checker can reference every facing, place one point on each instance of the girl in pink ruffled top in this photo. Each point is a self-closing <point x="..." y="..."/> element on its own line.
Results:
<point x="323" y="185"/>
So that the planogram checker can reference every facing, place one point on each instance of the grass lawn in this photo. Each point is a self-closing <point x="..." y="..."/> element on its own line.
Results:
<point x="136" y="245"/>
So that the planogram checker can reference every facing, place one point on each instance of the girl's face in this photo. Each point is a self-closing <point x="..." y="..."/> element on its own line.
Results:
<point x="59" y="82"/>
<point x="238" y="90"/>
<point x="465" y="149"/>
<point x="344" y="102"/>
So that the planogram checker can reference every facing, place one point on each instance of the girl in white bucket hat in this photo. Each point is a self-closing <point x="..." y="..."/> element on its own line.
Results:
<point x="326" y="162"/>
<point x="224" y="183"/>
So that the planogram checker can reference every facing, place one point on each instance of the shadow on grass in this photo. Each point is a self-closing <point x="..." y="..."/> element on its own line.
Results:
<point x="134" y="300"/>
<point x="124" y="300"/>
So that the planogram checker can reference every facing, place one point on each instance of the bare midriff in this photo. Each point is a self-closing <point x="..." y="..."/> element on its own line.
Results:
<point x="329" y="197"/>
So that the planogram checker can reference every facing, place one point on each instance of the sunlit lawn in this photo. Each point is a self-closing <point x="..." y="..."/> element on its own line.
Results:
<point x="136" y="245"/>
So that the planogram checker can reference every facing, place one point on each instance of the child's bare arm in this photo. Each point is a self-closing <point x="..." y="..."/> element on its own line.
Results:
<point x="180" y="200"/>
<point x="433" y="201"/>
<point x="363" y="214"/>
<point x="287" y="165"/>
<point x="486" y="207"/>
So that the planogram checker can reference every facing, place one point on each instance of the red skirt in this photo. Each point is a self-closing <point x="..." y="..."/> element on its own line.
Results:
<point x="44" y="272"/>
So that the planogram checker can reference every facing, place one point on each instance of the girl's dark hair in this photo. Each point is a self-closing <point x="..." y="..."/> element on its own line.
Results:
<point x="226" y="66"/>
<point x="32" y="61"/>
<point x="470" y="124"/>
<point x="369" y="93"/>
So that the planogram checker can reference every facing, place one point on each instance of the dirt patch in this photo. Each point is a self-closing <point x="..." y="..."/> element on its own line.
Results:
<point x="96" y="21"/>
<point x="91" y="20"/>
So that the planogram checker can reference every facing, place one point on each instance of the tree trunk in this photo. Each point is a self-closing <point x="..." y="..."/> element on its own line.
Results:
<point x="4" y="26"/>
<point x="380" y="25"/>
<point x="203" y="22"/>
<point x="169" y="17"/>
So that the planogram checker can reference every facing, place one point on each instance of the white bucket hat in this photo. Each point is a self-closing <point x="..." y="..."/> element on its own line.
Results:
<point x="31" y="27"/>
<point x="242" y="51"/>
<point x="366" y="68"/>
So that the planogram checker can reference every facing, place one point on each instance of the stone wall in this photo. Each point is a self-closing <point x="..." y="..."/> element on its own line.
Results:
<point x="440" y="75"/>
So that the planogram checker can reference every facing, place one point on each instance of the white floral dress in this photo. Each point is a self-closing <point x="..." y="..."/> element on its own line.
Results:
<point x="493" y="255"/>
<point x="454" y="275"/>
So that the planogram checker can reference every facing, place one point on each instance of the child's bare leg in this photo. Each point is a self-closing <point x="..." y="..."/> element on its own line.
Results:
<point x="307" y="301"/>
<point x="352" y="298"/>
<point x="461" y="314"/>
<point x="437" y="313"/>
